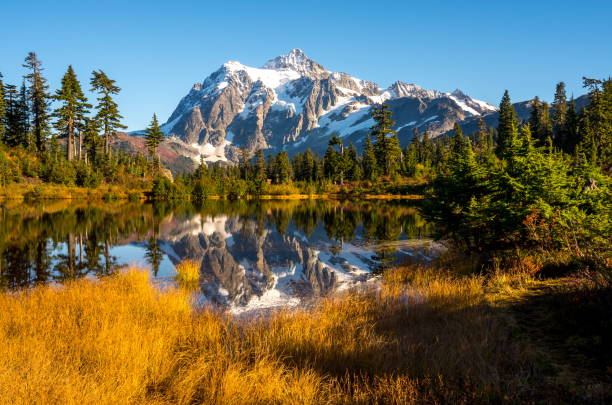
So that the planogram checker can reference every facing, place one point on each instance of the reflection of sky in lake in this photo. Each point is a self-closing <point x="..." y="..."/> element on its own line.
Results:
<point x="265" y="257"/>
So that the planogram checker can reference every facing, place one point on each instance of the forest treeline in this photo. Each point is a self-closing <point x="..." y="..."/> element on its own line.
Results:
<point x="60" y="137"/>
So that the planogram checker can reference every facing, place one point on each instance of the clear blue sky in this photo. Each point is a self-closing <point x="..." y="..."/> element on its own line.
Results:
<point x="157" y="50"/>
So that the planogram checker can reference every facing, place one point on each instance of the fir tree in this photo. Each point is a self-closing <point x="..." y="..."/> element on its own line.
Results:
<point x="310" y="166"/>
<point x="3" y="108"/>
<point x="351" y="158"/>
<point x="559" y="115"/>
<point x="368" y="160"/>
<point x="108" y="110"/>
<point x="16" y="132"/>
<point x="38" y="98"/>
<point x="507" y="123"/>
<point x="387" y="148"/>
<point x="282" y="168"/>
<point x="23" y="136"/>
<point x="91" y="139"/>
<point x="570" y="130"/>
<point x="153" y="137"/>
<point x="71" y="112"/>
<point x="596" y="123"/>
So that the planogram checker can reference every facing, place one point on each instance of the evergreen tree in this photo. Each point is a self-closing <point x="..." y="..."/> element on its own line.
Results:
<point x="71" y="112"/>
<point x="507" y="123"/>
<point x="153" y="137"/>
<point x="387" y="148"/>
<point x="16" y="120"/>
<point x="559" y="115"/>
<point x="534" y="115"/>
<point x="3" y="108"/>
<point x="596" y="123"/>
<point x="368" y="160"/>
<point x="310" y="166"/>
<point x="411" y="157"/>
<point x="570" y="130"/>
<point x="91" y="135"/>
<point x="23" y="136"/>
<point x="281" y="168"/>
<point x="108" y="110"/>
<point x="540" y="122"/>
<point x="38" y="98"/>
<point x="351" y="158"/>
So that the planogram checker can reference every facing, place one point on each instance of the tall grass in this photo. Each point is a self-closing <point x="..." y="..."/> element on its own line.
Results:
<point x="188" y="273"/>
<point x="121" y="340"/>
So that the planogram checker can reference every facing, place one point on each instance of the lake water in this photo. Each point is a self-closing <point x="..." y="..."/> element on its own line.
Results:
<point x="253" y="254"/>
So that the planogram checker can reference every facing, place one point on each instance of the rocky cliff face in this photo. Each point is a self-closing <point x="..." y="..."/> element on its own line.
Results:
<point x="292" y="103"/>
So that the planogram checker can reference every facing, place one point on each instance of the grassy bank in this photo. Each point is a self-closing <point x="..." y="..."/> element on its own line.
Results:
<point x="424" y="336"/>
<point x="44" y="191"/>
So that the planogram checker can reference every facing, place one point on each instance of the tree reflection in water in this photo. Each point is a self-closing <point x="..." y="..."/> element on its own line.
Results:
<point x="244" y="246"/>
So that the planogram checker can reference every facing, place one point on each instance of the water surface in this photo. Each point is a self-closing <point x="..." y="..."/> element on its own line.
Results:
<point x="253" y="254"/>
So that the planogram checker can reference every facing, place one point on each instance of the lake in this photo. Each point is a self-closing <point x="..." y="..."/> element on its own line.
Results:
<point x="253" y="254"/>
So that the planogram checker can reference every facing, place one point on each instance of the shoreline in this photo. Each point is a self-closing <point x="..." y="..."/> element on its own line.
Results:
<point x="56" y="192"/>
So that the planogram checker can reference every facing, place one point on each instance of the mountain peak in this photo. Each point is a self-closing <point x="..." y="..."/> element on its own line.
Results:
<point x="297" y="61"/>
<point x="458" y="93"/>
<point x="401" y="89"/>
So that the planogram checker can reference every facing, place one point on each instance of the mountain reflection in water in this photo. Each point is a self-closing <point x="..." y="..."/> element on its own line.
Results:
<point x="253" y="254"/>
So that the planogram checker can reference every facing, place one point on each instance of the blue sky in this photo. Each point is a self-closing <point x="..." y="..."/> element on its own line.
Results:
<point x="157" y="50"/>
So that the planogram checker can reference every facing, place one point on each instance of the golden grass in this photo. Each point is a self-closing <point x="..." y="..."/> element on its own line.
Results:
<point x="188" y="273"/>
<point x="422" y="337"/>
<point x="44" y="191"/>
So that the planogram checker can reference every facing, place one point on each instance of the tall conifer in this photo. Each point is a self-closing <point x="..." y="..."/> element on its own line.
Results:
<point x="387" y="148"/>
<point x="368" y="160"/>
<point x="108" y="110"/>
<point x="153" y="137"/>
<point x="38" y="98"/>
<point x="559" y="115"/>
<point x="2" y="110"/>
<point x="507" y="123"/>
<point x="71" y="113"/>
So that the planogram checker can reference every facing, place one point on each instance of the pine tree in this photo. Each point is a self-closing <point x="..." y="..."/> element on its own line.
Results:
<point x="387" y="148"/>
<point x="559" y="115"/>
<point x="507" y="123"/>
<point x="545" y="132"/>
<point x="540" y="122"/>
<point x="282" y="168"/>
<point x="310" y="166"/>
<point x="16" y="121"/>
<point x="368" y="160"/>
<point x="24" y="115"/>
<point x="38" y="98"/>
<point x="108" y="110"/>
<point x="596" y="123"/>
<point x="71" y="113"/>
<point x="570" y="130"/>
<point x="3" y="108"/>
<point x="351" y="158"/>
<point x="91" y="135"/>
<point x="153" y="137"/>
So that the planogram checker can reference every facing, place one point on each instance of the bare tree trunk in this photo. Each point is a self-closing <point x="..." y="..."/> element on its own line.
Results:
<point x="69" y="144"/>
<point x="80" y="145"/>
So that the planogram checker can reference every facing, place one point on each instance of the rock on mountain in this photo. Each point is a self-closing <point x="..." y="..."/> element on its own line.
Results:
<point x="292" y="103"/>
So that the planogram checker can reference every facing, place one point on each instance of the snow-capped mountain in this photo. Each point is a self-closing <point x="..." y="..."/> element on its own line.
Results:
<point x="292" y="103"/>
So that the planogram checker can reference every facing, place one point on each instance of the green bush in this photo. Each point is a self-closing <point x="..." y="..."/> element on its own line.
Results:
<point x="60" y="172"/>
<point x="86" y="177"/>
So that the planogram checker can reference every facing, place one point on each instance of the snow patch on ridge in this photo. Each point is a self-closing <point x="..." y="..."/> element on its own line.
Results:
<point x="209" y="152"/>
